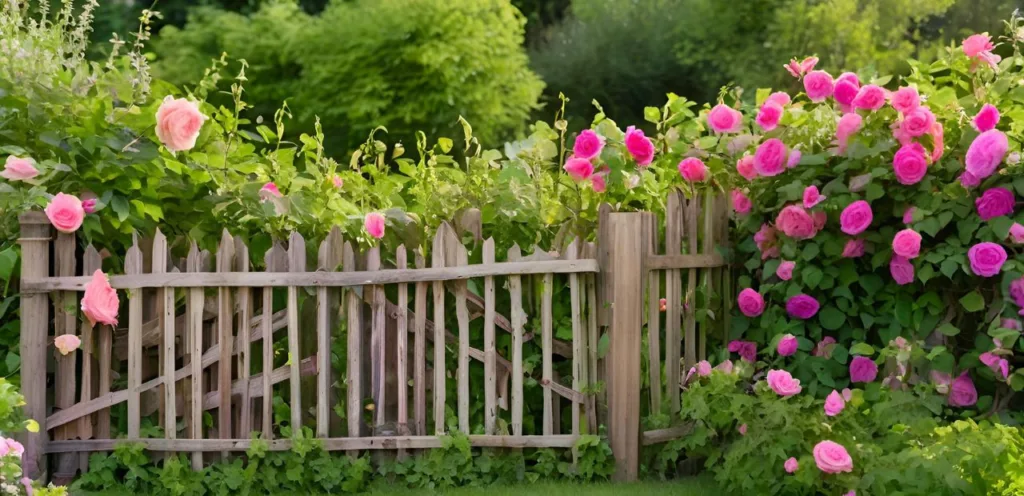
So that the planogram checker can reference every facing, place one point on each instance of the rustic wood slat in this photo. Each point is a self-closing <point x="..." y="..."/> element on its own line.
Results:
<point x="691" y="288"/>
<point x="327" y="260"/>
<point x="673" y="295"/>
<point x="225" y="336"/>
<point x="166" y="308"/>
<point x="65" y="322"/>
<point x="592" y="342"/>
<point x="275" y="260"/>
<point x="665" y="435"/>
<point x="548" y="281"/>
<point x="727" y="290"/>
<point x="708" y="248"/>
<point x="604" y="310"/>
<point x="35" y="235"/>
<point x="462" y="315"/>
<point x="133" y="265"/>
<point x="437" y="262"/>
<point x="253" y="386"/>
<point x="563" y="391"/>
<point x="653" y="319"/>
<point x="626" y="234"/>
<point x="578" y="384"/>
<point x="378" y="342"/>
<point x="242" y="346"/>
<point x="91" y="262"/>
<point x="420" y="354"/>
<point x="516" y="295"/>
<point x="490" y="374"/>
<point x="402" y="344"/>
<point x="296" y="263"/>
<point x="194" y="309"/>
<point x="687" y="261"/>
<point x="354" y="312"/>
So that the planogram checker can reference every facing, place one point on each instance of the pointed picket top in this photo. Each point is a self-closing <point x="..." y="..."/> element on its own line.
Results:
<point x="91" y="258"/>
<point x="296" y="253"/>
<point x="540" y="254"/>
<point x="133" y="258"/>
<point x="276" y="258"/>
<point x="160" y="255"/>
<point x="559" y="240"/>
<point x="241" y="255"/>
<point x="194" y="260"/>
<point x="572" y="251"/>
<point x="330" y="253"/>
<point x="438" y="249"/>
<point x="225" y="252"/>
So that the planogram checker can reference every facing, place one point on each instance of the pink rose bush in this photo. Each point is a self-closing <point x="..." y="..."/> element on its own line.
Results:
<point x="770" y="158"/>
<point x="905" y="100"/>
<point x="693" y="170"/>
<point x="869" y="97"/>
<point x="802" y="306"/>
<point x="979" y="48"/>
<point x="725" y="119"/>
<point x="588" y="145"/>
<point x="834" y="404"/>
<point x="832" y="458"/>
<point x="796" y="223"/>
<point x="986" y="153"/>
<point x="740" y="202"/>
<point x="579" y="169"/>
<point x="640" y="147"/>
<point x="907" y="243"/>
<point x="785" y="270"/>
<point x="783" y="383"/>
<point x="818" y="85"/>
<point x="986" y="259"/>
<point x="812" y="197"/>
<point x="750" y="303"/>
<point x="374" y="223"/>
<point x="848" y="125"/>
<point x="986" y="119"/>
<point x="995" y="202"/>
<point x="856" y="218"/>
<point x="798" y="69"/>
<point x="178" y="123"/>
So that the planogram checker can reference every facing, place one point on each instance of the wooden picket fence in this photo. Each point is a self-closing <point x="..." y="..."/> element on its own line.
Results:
<point x="199" y="341"/>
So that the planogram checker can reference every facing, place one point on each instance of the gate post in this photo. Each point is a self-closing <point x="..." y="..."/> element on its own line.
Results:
<point x="626" y="245"/>
<point x="35" y="319"/>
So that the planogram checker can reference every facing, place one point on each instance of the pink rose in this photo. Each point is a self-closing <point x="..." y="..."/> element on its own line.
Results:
<point x="994" y="362"/>
<point x="941" y="381"/>
<point x="769" y="116"/>
<point x="986" y="153"/>
<point x="639" y="146"/>
<point x="269" y="191"/>
<point x="849" y="77"/>
<point x="832" y="458"/>
<point x="902" y="270"/>
<point x="750" y="302"/>
<point x="770" y="158"/>
<point x="807" y="64"/>
<point x="796" y="223"/>
<point x="834" y="404"/>
<point x="588" y="145"/>
<point x="1017" y="292"/>
<point x="597" y="183"/>
<point x="962" y="392"/>
<point x="818" y="85"/>
<point x="67" y="343"/>
<point x="785" y="270"/>
<point x="100" y="303"/>
<point x="745" y="166"/>
<point x="797" y="69"/>
<point x="89" y="206"/>
<point x="907" y="243"/>
<point x="724" y="367"/>
<point x="11" y="447"/>
<point x="1011" y="324"/>
<point x="824" y="347"/>
<point x="740" y="203"/>
<point x="693" y="170"/>
<point x="847" y="394"/>
<point x="910" y="163"/>
<point x="848" y="125"/>
<point x="794" y="158"/>
<point x="178" y="122"/>
<point x="908" y="215"/>
<point x="787" y="345"/>
<point x="856" y="218"/>
<point x="905" y="100"/>
<point x="820" y="218"/>
<point x="337" y="182"/>
<point x="812" y="197"/>
<point x="986" y="119"/>
<point x="766" y="238"/>
<point x="995" y="202"/>
<point x="663" y="304"/>
<point x="373" y="223"/>
<point x="844" y="93"/>
<point x="863" y="369"/>
<point x="938" y="147"/>
<point x="746" y="349"/>
<point x="979" y="47"/>
<point x="854" y="248"/>
<point x="791" y="465"/>
<point x="917" y="122"/>
<point x="802" y="306"/>
<point x="19" y="169"/>
<point x="725" y="119"/>
<point x="968" y="180"/>
<point x="65" y="212"/>
<point x="1017" y="233"/>
<point x="783" y="383"/>
<point x="986" y="259"/>
<point x="742" y="429"/>
<point x="780" y="98"/>
<point x="870" y="97"/>
<point x="579" y="169"/>
<point x="703" y="368"/>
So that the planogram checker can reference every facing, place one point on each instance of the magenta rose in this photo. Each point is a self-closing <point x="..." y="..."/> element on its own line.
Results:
<point x="854" y="248"/>
<point x="765" y="239"/>
<point x="907" y="243"/>
<point x="968" y="180"/>
<point x="65" y="212"/>
<point x="725" y="119"/>
<point x="905" y="100"/>
<point x="995" y="202"/>
<point x="796" y="223"/>
<point x="740" y="203"/>
<point x="791" y="465"/>
<point x="639" y="146"/>
<point x="746" y="349"/>
<point x="100" y="303"/>
<point x="783" y="383"/>
<point x="902" y="270"/>
<point x="812" y="197"/>
<point x="832" y="458"/>
<point x="908" y="215"/>
<point x="785" y="270"/>
<point x="917" y="122"/>
<point x="910" y="163"/>
<point x="770" y="158"/>
<point x="769" y="116"/>
<point x="834" y="404"/>
<point x="987" y="118"/>
<point x="870" y="97"/>
<point x="787" y="345"/>
<point x="844" y="92"/>
<point x="820" y="218"/>
<point x="802" y="306"/>
<point x="856" y="218"/>
<point x="986" y="153"/>
<point x="588" y="145"/>
<point x="863" y="369"/>
<point x="794" y="158"/>
<point x="987" y="259"/>
<point x="745" y="166"/>
<point x="818" y="85"/>
<point x="962" y="392"/>
<point x="693" y="170"/>
<point x="579" y="169"/>
<point x="750" y="302"/>
<point x="1017" y="292"/>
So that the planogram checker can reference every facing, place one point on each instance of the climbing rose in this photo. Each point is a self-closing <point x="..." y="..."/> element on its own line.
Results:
<point x="901" y="269"/>
<point x="745" y="166"/>
<point x="725" y="119"/>
<point x="579" y="169"/>
<point x="780" y="98"/>
<point x="824" y="347"/>
<point x="740" y="203"/>
<point x="1017" y="233"/>
<point x="769" y="116"/>
<point x="917" y="122"/>
<point x="938" y="146"/>
<point x="847" y="126"/>
<point x="794" y="158"/>
<point x="770" y="158"/>
<point x="269" y="191"/>
<point x="703" y="368"/>
<point x="986" y="259"/>
<point x="818" y="85"/>
<point x="787" y="345"/>
<point x="178" y="122"/>
<point x="797" y="69"/>
<point x="67" y="343"/>
<point x="962" y="392"/>
<point x="907" y="243"/>
<point x="908" y="215"/>
<point x="863" y="369"/>
<point x="905" y="99"/>
<point x="100" y="303"/>
<point x="854" y="248"/>
<point x="785" y="270"/>
<point x="783" y="383"/>
<point x="791" y="465"/>
<point x="910" y="163"/>
<point x="639" y="146"/>
<point x="19" y="169"/>
<point x="588" y="145"/>
<point x="65" y="212"/>
<point x="89" y="206"/>
<point x="995" y="202"/>
<point x="746" y="349"/>
<point x="856" y="218"/>
<point x="802" y="306"/>
<point x="986" y="153"/>
<point x="693" y="170"/>
<point x="986" y="119"/>
<point x="979" y="47"/>
<point x="834" y="404"/>
<point x="796" y="223"/>
<point x="751" y="302"/>
<point x="832" y="458"/>
<point x="597" y="183"/>
<point x="844" y="92"/>
<point x="812" y="197"/>
<point x="870" y="97"/>
<point x="374" y="224"/>
<point x="968" y="180"/>
<point x="742" y="429"/>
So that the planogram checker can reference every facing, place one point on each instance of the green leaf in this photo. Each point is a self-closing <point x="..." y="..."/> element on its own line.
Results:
<point x="973" y="301"/>
<point x="948" y="329"/>
<point x="862" y="349"/>
<point x="874" y="192"/>
<point x="652" y="115"/>
<point x="445" y="144"/>
<point x="936" y="351"/>
<point x="926" y="272"/>
<point x="811" y="251"/>
<point x="120" y="207"/>
<point x="812" y="276"/>
<point x="949" y="267"/>
<point x="8" y="258"/>
<point x="871" y="283"/>
<point x="1001" y="226"/>
<point x="831" y="318"/>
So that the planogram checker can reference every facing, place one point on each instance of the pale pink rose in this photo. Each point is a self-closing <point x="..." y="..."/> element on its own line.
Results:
<point x="847" y="394"/>
<point x="987" y="259"/>
<point x="796" y="223"/>
<point x="747" y="350"/>
<point x="818" y="85"/>
<point x="765" y="239"/>
<point x="962" y="392"/>
<point x="870" y="97"/>
<point x="851" y="493"/>
<point x="863" y="369"/>
<point x="798" y="69"/>
<point x="941" y="380"/>
<point x="598" y="184"/>
<point x="693" y="170"/>
<point x="633" y="181"/>
<point x="703" y="368"/>
<point x="824" y="347"/>
<point x="742" y="429"/>
<point x="13" y="447"/>
<point x="724" y="367"/>
<point x="856" y="218"/>
<point x="791" y="465"/>
<point x="783" y="383"/>
<point x="769" y="116"/>
<point x="812" y="197"/>
<point x="905" y="100"/>
<point x="986" y="153"/>
<point x="832" y="458"/>
<point x="269" y="191"/>
<point x="725" y="119"/>
<point x="854" y="248"/>
<point x="902" y="270"/>
<point x="18" y="169"/>
<point x="844" y="93"/>
<point x="848" y="125"/>
<point x="663" y="304"/>
<point x="917" y="122"/>
<point x="807" y="64"/>
<point x="639" y="146"/>
<point x="588" y="145"/>
<point x="938" y="145"/>
<point x="67" y="343"/>
<point x="910" y="163"/>
<point x="65" y="212"/>
<point x="338" y="182"/>
<point x="579" y="169"/>
<point x="820" y="218"/>
<point x="907" y="243"/>
<point x="745" y="166"/>
<point x="780" y="98"/>
<point x="373" y="223"/>
<point x="986" y="119"/>
<point x="979" y="47"/>
<point x="834" y="404"/>
<point x="750" y="302"/>
<point x="1017" y="233"/>
<point x="178" y="122"/>
<point x="908" y="215"/>
<point x="1011" y="324"/>
<point x="794" y="158"/>
<point x="995" y="202"/>
<point x="785" y="270"/>
<point x="968" y="180"/>
<point x="740" y="203"/>
<point x="787" y="345"/>
<point x="802" y="306"/>
<point x="770" y="158"/>
<point x="100" y="303"/>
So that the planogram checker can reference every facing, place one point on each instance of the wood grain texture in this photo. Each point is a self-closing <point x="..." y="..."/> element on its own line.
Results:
<point x="490" y="372"/>
<point x="354" y="312"/>
<point x="194" y="309"/>
<point x="65" y="322"/>
<point x="653" y="318"/>
<point x="275" y="260"/>
<point x="35" y="309"/>
<point x="515" y="289"/>
<point x="462" y="317"/>
<point x="133" y="265"/>
<point x="438" y="262"/>
<point x="378" y="342"/>
<point x="243" y="346"/>
<point x="296" y="263"/>
<point x="673" y="298"/>
<point x="225" y="336"/>
<point x="420" y="355"/>
<point x="328" y="260"/>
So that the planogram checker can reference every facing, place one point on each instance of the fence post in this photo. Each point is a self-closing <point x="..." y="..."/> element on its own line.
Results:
<point x="35" y="319"/>
<point x="626" y="245"/>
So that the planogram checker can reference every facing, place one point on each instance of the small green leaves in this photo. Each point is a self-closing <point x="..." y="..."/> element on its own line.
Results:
<point x="948" y="329"/>
<point x="973" y="301"/>
<point x="863" y="349"/>
<point x="831" y="318"/>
